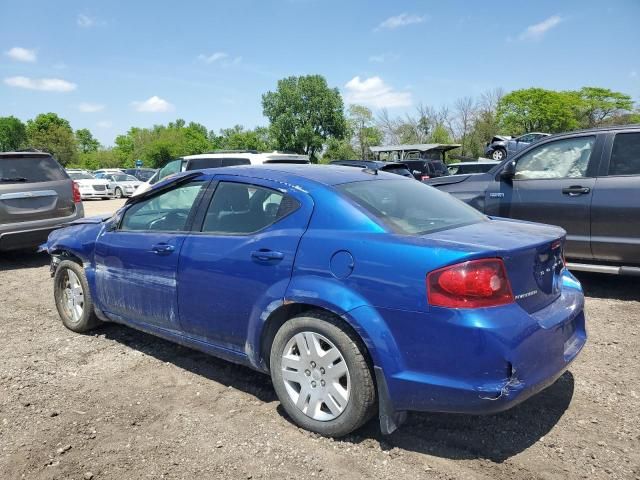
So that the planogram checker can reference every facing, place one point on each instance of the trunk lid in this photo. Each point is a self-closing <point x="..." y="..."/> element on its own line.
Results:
<point x="33" y="187"/>
<point x="532" y="254"/>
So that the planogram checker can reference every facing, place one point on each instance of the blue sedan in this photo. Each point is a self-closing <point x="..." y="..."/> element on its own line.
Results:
<point x="358" y="291"/>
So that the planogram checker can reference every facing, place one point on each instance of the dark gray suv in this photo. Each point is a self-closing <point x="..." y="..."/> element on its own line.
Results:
<point x="587" y="182"/>
<point x="36" y="197"/>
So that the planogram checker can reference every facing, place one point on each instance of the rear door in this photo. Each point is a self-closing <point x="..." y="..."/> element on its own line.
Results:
<point x="33" y="187"/>
<point x="554" y="184"/>
<point x="615" y="211"/>
<point x="240" y="258"/>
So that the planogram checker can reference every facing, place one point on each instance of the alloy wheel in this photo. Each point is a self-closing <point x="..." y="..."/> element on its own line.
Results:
<point x="73" y="296"/>
<point x="315" y="376"/>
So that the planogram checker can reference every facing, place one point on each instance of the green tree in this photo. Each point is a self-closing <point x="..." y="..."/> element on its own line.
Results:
<point x="339" y="150"/>
<point x="364" y="131"/>
<point x="537" y="109"/>
<point x="237" y="138"/>
<point x="50" y="133"/>
<point x="13" y="134"/>
<point x="600" y="105"/>
<point x="304" y="113"/>
<point x="86" y="141"/>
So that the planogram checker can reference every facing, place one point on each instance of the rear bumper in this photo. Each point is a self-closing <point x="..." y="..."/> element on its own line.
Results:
<point x="17" y="236"/>
<point x="480" y="361"/>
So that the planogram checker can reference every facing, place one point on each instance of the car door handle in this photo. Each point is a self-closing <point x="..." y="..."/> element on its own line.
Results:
<point x="267" y="255"/>
<point x="575" y="190"/>
<point x="162" y="249"/>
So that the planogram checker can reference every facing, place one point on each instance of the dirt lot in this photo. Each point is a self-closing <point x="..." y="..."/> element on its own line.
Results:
<point x="119" y="404"/>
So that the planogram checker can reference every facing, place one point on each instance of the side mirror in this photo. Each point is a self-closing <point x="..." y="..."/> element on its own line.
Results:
<point x="509" y="170"/>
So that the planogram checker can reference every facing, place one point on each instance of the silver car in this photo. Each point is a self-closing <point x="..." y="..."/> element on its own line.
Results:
<point x="121" y="184"/>
<point x="36" y="197"/>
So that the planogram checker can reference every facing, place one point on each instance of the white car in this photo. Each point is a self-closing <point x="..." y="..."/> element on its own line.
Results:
<point x="101" y="173"/>
<point x="90" y="187"/>
<point x="217" y="159"/>
<point x="122" y="185"/>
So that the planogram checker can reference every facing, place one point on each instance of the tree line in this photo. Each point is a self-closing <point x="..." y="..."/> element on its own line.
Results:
<point x="307" y="116"/>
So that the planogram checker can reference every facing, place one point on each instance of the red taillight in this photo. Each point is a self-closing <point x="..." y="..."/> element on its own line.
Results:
<point x="425" y="177"/>
<point x="76" y="193"/>
<point x="473" y="284"/>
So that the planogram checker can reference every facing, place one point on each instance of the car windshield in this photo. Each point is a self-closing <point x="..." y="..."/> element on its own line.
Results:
<point x="409" y="207"/>
<point x="80" y="176"/>
<point x="124" y="178"/>
<point x="30" y="169"/>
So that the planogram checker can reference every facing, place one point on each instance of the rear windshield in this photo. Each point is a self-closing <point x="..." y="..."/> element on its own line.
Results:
<point x="409" y="207"/>
<point x="30" y="169"/>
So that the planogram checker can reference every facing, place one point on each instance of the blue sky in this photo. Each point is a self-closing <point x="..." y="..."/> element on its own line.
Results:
<point x="110" y="65"/>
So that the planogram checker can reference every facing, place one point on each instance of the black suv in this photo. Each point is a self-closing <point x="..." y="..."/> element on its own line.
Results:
<point x="587" y="182"/>
<point x="36" y="197"/>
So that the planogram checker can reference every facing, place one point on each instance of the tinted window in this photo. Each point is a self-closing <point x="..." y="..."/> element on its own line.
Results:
<point x="440" y="168"/>
<point x="166" y="212"/>
<point x="409" y="207"/>
<point x="30" y="169"/>
<point x="170" y="168"/>
<point x="567" y="158"/>
<point x="238" y="208"/>
<point x="231" y="162"/>
<point x="625" y="156"/>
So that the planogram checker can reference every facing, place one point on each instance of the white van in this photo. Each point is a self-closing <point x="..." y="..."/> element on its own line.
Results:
<point x="219" y="158"/>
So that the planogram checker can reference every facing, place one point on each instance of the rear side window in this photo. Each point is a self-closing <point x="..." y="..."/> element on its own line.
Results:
<point x="30" y="169"/>
<point x="409" y="207"/>
<point x="240" y="209"/>
<point x="625" y="156"/>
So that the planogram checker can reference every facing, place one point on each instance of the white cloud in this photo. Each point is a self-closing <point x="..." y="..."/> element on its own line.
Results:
<point x="85" y="21"/>
<point x="377" y="58"/>
<point x="22" y="54"/>
<point x="44" y="84"/>
<point x="104" y="124"/>
<point x="375" y="93"/>
<point x="87" y="107"/>
<point x="537" y="31"/>
<point x="401" y="20"/>
<point x="214" y="57"/>
<point x="153" y="104"/>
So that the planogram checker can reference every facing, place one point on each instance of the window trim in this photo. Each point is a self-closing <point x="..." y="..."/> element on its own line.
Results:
<point x="195" y="207"/>
<point x="205" y="203"/>
<point x="591" y="165"/>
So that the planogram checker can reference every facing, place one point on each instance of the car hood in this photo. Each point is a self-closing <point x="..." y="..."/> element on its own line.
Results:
<point x="92" y="181"/>
<point x="447" y="180"/>
<point x="128" y="183"/>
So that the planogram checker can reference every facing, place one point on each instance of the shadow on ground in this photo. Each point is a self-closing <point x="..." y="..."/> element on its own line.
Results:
<point x="495" y="437"/>
<point x="19" y="259"/>
<point x="614" y="287"/>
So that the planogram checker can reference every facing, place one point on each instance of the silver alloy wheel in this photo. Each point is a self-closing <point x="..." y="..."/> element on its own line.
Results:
<point x="315" y="376"/>
<point x="498" y="155"/>
<point x="73" y="296"/>
<point x="118" y="192"/>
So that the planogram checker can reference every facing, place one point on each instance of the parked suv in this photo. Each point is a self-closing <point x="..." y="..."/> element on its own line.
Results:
<point x="587" y="182"/>
<point x="502" y="147"/>
<point x="425" y="160"/>
<point x="219" y="158"/>
<point x="36" y="197"/>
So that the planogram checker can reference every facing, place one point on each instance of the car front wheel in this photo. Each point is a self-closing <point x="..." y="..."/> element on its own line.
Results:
<point x="499" y="154"/>
<point x="118" y="192"/>
<point x="321" y="376"/>
<point x="73" y="298"/>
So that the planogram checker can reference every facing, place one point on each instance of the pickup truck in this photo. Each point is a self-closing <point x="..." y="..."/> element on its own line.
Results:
<point x="587" y="182"/>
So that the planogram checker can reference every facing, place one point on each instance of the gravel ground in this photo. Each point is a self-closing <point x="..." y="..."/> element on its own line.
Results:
<point x="119" y="404"/>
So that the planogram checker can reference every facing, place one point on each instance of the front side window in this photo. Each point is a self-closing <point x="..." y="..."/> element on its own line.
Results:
<point x="625" y="156"/>
<point x="240" y="209"/>
<point x="566" y="158"/>
<point x="167" y="212"/>
<point x="409" y="207"/>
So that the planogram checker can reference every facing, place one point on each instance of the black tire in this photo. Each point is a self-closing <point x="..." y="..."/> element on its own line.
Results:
<point x="87" y="320"/>
<point x="361" y="404"/>
<point x="499" y="154"/>
<point x="118" y="192"/>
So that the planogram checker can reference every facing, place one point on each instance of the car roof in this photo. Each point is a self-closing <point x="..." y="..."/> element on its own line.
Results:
<point x="479" y="162"/>
<point x="287" y="173"/>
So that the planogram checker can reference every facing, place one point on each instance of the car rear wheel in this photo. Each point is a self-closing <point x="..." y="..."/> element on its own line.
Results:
<point x="73" y="298"/>
<point x="499" y="154"/>
<point x="321" y="376"/>
<point x="118" y="192"/>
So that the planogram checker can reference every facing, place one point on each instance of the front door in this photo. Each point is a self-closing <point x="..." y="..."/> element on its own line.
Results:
<point x="553" y="185"/>
<point x="241" y="259"/>
<point x="136" y="264"/>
